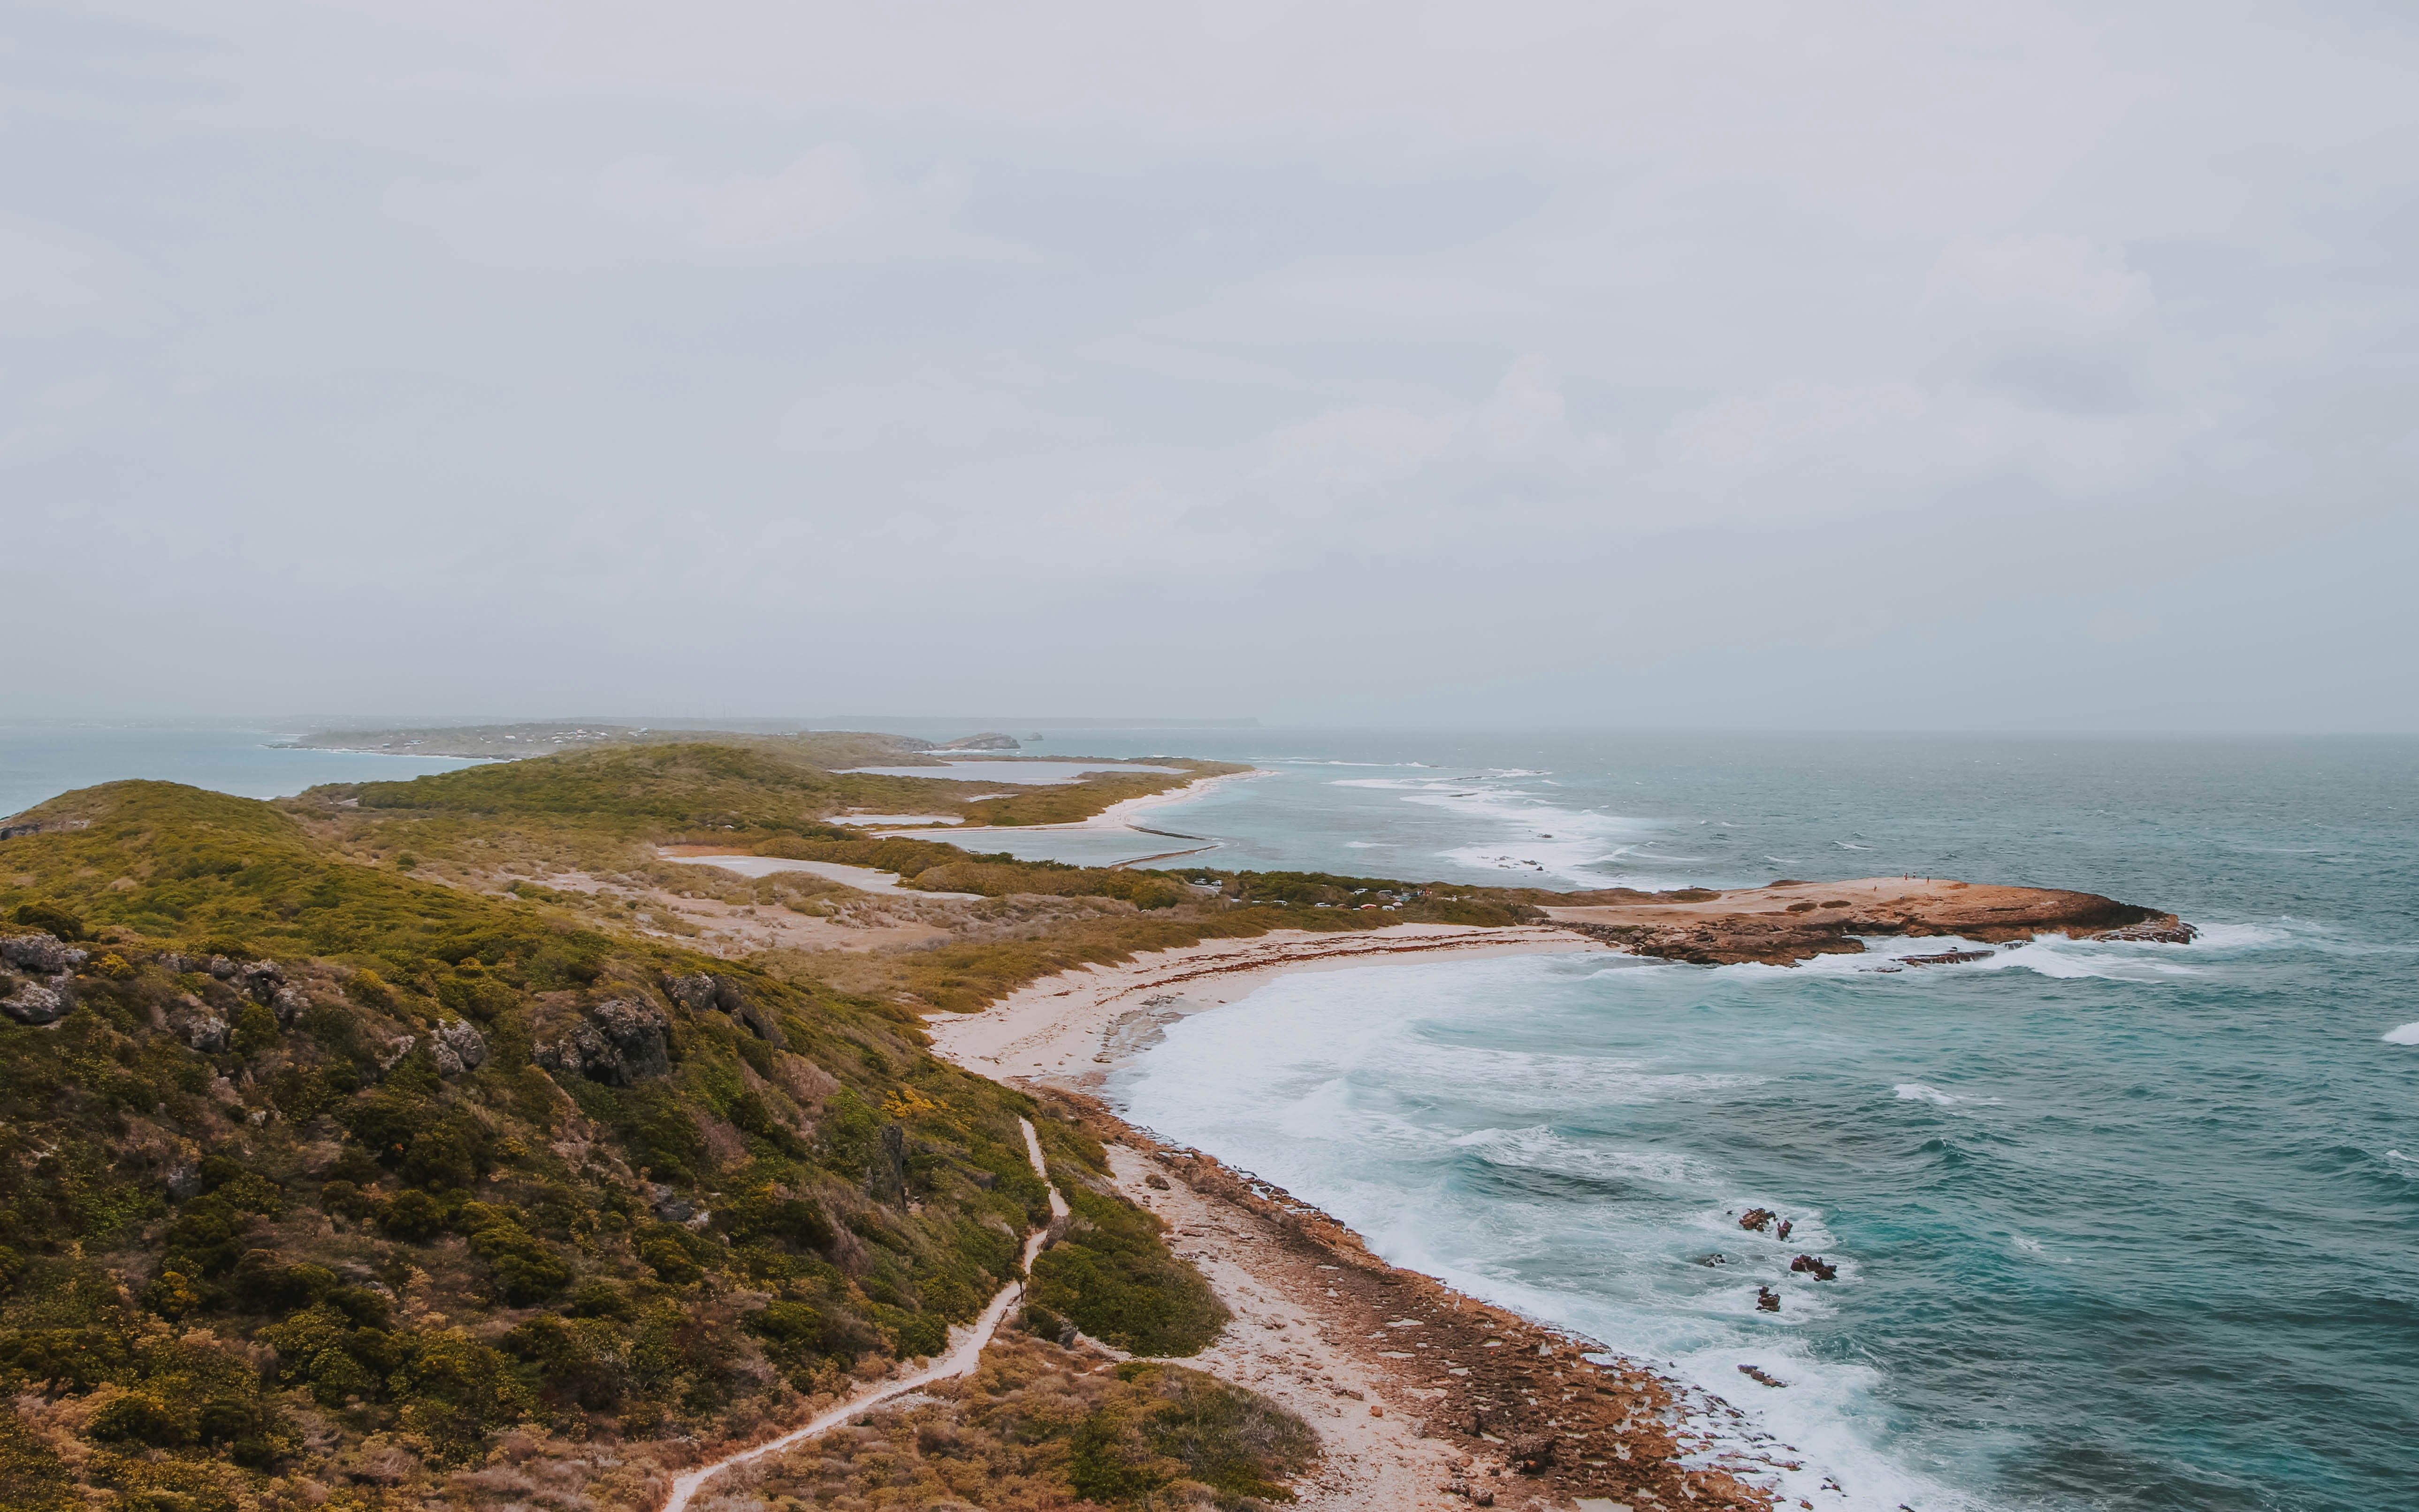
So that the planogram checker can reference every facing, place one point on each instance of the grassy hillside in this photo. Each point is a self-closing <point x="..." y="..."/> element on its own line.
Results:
<point x="330" y="1184"/>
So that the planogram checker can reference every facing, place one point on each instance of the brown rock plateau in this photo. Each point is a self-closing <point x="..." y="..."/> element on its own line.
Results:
<point x="1792" y="921"/>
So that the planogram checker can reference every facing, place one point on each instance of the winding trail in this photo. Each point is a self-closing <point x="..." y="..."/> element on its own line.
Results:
<point x="964" y="1354"/>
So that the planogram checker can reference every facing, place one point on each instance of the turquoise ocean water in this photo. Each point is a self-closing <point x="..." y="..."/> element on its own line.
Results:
<point x="2118" y="1226"/>
<point x="44" y="759"/>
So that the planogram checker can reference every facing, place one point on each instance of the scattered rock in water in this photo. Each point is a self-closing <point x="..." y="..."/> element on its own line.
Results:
<point x="1767" y="1300"/>
<point x="1760" y="1377"/>
<point x="1758" y="1220"/>
<point x="1946" y="958"/>
<point x="1815" y="1266"/>
<point x="1786" y="1225"/>
<point x="2170" y="931"/>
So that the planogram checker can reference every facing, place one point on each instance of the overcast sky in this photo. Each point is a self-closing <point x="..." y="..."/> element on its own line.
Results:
<point x="2015" y="365"/>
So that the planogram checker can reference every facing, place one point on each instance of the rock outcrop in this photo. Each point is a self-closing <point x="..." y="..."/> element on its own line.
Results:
<point x="700" y="992"/>
<point x="42" y="955"/>
<point x="458" y="1048"/>
<point x="1794" y="921"/>
<point x="32" y="1004"/>
<point x="41" y="952"/>
<point x="619" y="1042"/>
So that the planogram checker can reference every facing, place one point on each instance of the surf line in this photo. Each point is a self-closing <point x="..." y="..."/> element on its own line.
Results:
<point x="960" y="1360"/>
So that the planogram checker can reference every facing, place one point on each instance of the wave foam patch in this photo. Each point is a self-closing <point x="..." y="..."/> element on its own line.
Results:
<point x="2407" y="1034"/>
<point x="1922" y="1092"/>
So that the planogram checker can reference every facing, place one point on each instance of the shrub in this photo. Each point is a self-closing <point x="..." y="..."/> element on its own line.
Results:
<point x="413" y="1216"/>
<point x="1117" y="1281"/>
<point x="51" y="917"/>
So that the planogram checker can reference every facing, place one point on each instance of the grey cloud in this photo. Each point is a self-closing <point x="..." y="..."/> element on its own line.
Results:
<point x="784" y="359"/>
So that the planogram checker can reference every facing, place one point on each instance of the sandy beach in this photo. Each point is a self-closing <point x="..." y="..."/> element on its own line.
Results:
<point x="1069" y="1030"/>
<point x="1423" y="1397"/>
<point x="1115" y="816"/>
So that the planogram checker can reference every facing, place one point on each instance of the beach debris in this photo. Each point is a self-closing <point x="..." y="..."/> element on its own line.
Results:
<point x="1758" y="1220"/>
<point x="1767" y="1300"/>
<point x="1761" y="1377"/>
<point x="1533" y="1455"/>
<point x="1814" y="1265"/>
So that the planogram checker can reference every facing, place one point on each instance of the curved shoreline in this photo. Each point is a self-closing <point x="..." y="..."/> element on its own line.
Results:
<point x="1317" y="1310"/>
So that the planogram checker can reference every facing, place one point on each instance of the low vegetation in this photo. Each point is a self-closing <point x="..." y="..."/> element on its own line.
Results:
<point x="359" y="1155"/>
<point x="1041" y="1427"/>
<point x="326" y="1160"/>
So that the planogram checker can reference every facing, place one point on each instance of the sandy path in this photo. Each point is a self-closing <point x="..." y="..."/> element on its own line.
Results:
<point x="965" y="1353"/>
<point x="1063" y="1030"/>
<point x="1288" y="1341"/>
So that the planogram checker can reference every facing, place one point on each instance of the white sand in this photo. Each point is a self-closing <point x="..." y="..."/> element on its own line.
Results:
<point x="876" y="819"/>
<point x="1057" y="1030"/>
<point x="1117" y="815"/>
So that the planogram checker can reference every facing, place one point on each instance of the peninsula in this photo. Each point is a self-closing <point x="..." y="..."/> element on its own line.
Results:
<point x="478" y="1141"/>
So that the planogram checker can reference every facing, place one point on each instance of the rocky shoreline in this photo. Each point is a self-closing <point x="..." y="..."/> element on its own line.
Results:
<point x="1502" y="1410"/>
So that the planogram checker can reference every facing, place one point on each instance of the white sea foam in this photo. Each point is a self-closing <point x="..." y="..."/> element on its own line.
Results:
<point x="1540" y="838"/>
<point x="1918" y="1092"/>
<point x="2407" y="1034"/>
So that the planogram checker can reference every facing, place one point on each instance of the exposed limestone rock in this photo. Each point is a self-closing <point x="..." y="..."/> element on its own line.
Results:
<point x="458" y="1048"/>
<point x="699" y="992"/>
<point x="290" y="1004"/>
<point x="259" y="981"/>
<point x="621" y="1043"/>
<point x="31" y="1004"/>
<point x="1775" y="926"/>
<point x="200" y="1029"/>
<point x="40" y="952"/>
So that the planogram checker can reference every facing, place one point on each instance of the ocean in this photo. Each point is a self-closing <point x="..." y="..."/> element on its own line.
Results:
<point x="2115" y="1225"/>
<point x="40" y="759"/>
